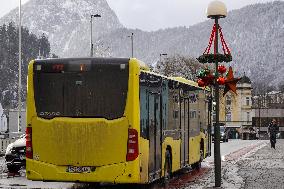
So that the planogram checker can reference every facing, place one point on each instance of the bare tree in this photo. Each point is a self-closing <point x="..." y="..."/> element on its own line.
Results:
<point x="178" y="65"/>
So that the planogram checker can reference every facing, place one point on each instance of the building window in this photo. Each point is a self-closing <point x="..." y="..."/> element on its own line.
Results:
<point x="247" y="101"/>
<point x="228" y="100"/>
<point x="175" y="113"/>
<point x="229" y="116"/>
<point x="248" y="116"/>
<point x="192" y="114"/>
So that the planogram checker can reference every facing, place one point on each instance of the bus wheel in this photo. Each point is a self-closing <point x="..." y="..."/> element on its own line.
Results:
<point x="168" y="166"/>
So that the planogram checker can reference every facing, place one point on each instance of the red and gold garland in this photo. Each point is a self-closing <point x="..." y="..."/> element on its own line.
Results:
<point x="211" y="58"/>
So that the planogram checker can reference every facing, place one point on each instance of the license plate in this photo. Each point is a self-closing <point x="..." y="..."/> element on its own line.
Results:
<point x="75" y="169"/>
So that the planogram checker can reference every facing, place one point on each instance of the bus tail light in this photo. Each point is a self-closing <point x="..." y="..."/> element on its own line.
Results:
<point x="132" y="145"/>
<point x="29" y="145"/>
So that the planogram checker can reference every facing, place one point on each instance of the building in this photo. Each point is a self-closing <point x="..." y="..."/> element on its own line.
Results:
<point x="9" y="131"/>
<point x="266" y="107"/>
<point x="236" y="110"/>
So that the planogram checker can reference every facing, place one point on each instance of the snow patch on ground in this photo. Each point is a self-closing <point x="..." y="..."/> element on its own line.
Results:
<point x="231" y="178"/>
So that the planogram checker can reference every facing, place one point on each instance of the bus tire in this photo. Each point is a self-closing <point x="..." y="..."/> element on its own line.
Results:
<point x="168" y="166"/>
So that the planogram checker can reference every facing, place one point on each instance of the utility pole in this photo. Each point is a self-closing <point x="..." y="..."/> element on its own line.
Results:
<point x="131" y="37"/>
<point x="20" y="69"/>
<point x="258" y="104"/>
<point x="162" y="54"/>
<point x="91" y="36"/>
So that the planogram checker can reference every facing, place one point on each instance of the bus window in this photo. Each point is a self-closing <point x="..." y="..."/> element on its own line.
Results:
<point x="98" y="91"/>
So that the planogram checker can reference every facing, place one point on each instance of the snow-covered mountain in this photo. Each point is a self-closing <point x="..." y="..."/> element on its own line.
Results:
<point x="66" y="23"/>
<point x="254" y="33"/>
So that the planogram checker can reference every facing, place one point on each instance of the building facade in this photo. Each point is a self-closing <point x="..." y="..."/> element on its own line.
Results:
<point x="236" y="109"/>
<point x="266" y="107"/>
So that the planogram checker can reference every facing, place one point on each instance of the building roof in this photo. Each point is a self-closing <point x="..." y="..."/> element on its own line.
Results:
<point x="245" y="79"/>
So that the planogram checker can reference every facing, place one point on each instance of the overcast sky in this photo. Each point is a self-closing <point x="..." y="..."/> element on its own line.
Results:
<point x="155" y="14"/>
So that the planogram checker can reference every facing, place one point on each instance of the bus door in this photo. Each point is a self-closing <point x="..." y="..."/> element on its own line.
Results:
<point x="182" y="132"/>
<point x="185" y="138"/>
<point x="154" y="118"/>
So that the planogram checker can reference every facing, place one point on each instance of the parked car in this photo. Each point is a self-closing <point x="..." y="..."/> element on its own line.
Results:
<point x="224" y="133"/>
<point x="15" y="155"/>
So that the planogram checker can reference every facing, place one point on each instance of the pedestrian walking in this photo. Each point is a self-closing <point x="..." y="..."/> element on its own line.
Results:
<point x="273" y="130"/>
<point x="257" y="135"/>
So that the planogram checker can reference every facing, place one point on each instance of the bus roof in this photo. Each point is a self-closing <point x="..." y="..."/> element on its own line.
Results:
<point x="144" y="67"/>
<point x="58" y="60"/>
<point x="179" y="79"/>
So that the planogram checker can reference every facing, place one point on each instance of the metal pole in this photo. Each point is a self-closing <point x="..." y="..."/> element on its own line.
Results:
<point x="217" y="156"/>
<point x="210" y="102"/>
<point x="20" y="68"/>
<point x="258" y="114"/>
<point x="92" y="46"/>
<point x="132" y="45"/>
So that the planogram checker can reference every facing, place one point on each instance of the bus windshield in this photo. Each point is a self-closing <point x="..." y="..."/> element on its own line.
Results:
<point x="81" y="89"/>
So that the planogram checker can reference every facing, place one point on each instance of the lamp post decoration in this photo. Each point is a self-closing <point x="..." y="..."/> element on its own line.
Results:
<point x="206" y="77"/>
<point x="210" y="58"/>
<point x="215" y="11"/>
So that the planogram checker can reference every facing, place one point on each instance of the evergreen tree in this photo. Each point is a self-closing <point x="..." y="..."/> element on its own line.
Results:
<point x="44" y="46"/>
<point x="9" y="58"/>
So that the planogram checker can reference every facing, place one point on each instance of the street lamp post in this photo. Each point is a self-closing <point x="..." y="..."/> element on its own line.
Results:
<point x="92" y="45"/>
<point x="258" y="104"/>
<point x="131" y="37"/>
<point x="20" y="68"/>
<point x="217" y="10"/>
<point x="162" y="54"/>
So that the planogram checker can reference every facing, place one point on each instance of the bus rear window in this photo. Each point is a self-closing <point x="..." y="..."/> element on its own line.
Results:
<point x="100" y="90"/>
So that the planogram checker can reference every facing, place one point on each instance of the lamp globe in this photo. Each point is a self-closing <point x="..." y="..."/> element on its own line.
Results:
<point x="216" y="9"/>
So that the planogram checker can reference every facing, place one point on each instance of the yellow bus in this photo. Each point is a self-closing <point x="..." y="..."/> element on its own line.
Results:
<point x="112" y="120"/>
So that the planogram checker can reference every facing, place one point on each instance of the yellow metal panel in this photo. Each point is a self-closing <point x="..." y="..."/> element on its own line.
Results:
<point x="144" y="159"/>
<point x="132" y="110"/>
<point x="80" y="141"/>
<point x="31" y="112"/>
<point x="175" y="146"/>
<point x="194" y="149"/>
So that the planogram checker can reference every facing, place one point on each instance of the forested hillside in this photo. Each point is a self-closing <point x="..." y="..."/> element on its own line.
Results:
<point x="32" y="47"/>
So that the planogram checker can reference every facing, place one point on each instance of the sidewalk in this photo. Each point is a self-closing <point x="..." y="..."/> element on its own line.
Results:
<point x="253" y="167"/>
<point x="264" y="169"/>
